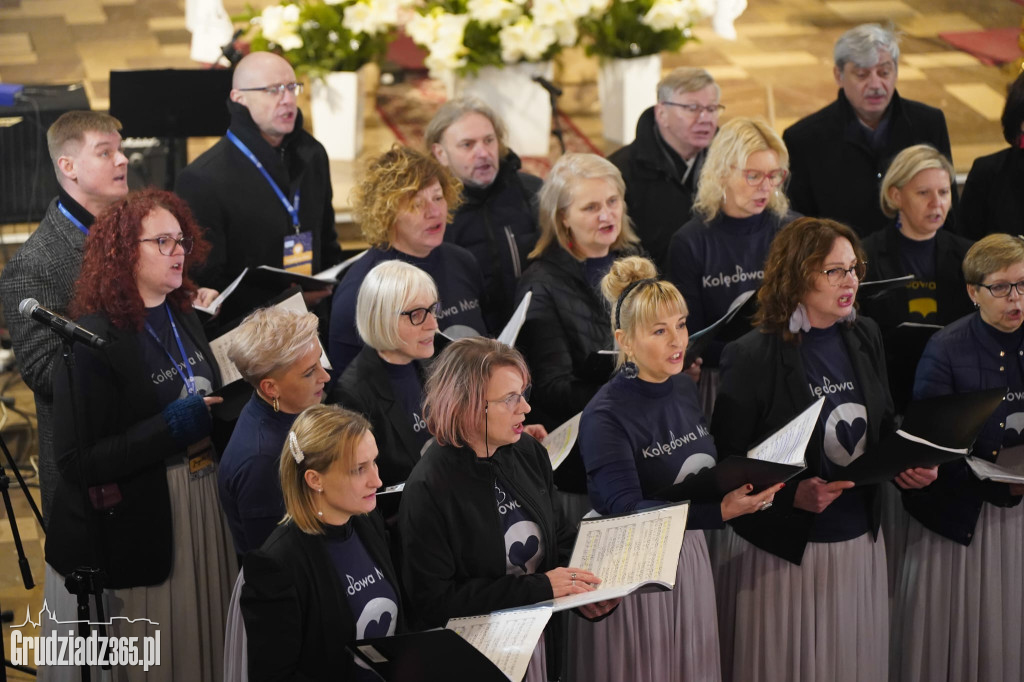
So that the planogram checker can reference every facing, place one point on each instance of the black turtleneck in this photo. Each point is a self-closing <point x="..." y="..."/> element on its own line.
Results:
<point x="75" y="208"/>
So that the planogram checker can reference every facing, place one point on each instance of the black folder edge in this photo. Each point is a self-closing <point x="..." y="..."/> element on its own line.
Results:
<point x="267" y="274"/>
<point x="953" y="421"/>
<point x="712" y="483"/>
<point x="428" y="656"/>
<point x="699" y="341"/>
<point x="879" y="287"/>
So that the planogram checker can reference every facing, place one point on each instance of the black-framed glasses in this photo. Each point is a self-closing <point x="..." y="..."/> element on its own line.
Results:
<point x="696" y="109"/>
<point x="418" y="316"/>
<point x="276" y="90"/>
<point x="837" y="275"/>
<point x="1002" y="289"/>
<point x="755" y="177"/>
<point x="166" y="244"/>
<point x="512" y="399"/>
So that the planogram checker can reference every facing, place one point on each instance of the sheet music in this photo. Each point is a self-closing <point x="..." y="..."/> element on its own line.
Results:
<point x="787" y="445"/>
<point x="333" y="273"/>
<point x="215" y="304"/>
<point x="507" y="638"/>
<point x="917" y="439"/>
<point x="510" y="333"/>
<point x="560" y="441"/>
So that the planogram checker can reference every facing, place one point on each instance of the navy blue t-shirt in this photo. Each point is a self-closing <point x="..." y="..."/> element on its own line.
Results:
<point x="408" y="390"/>
<point x="638" y="438"/>
<point x="842" y="432"/>
<point x="371" y="598"/>
<point x="459" y="285"/>
<point x="165" y="374"/>
<point x="524" y="546"/>
<point x="918" y="258"/>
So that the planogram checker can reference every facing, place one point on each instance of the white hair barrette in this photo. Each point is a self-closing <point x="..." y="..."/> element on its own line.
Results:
<point x="293" y="446"/>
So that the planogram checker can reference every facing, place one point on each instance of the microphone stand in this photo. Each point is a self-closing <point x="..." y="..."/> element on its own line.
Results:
<point x="554" y="92"/>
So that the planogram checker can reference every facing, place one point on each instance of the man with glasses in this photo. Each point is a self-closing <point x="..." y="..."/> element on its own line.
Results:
<point x="839" y="154"/>
<point x="662" y="164"/>
<point x="263" y="192"/>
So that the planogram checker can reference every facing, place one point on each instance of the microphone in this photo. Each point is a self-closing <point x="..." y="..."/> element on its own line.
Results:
<point x="552" y="89"/>
<point x="66" y="328"/>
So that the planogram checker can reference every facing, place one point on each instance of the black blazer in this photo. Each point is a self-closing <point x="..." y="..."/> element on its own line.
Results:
<point x="364" y="387"/>
<point x="125" y="441"/>
<point x="763" y="386"/>
<point x="297" y="618"/>
<point x="992" y="200"/>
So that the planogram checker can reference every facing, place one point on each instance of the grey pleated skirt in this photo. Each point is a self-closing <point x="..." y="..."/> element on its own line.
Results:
<point x="655" y="636"/>
<point x="895" y="526"/>
<point x="961" y="609"/>
<point x="190" y="607"/>
<point x="826" y="619"/>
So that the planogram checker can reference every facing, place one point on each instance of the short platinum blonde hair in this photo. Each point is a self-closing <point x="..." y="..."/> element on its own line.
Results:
<point x="270" y="340"/>
<point x="992" y="253"/>
<point x="860" y="45"/>
<point x="324" y="434"/>
<point x="384" y="293"/>
<point x="735" y="142"/>
<point x="685" y="79"/>
<point x="453" y="110"/>
<point x="556" y="196"/>
<point x="907" y="164"/>
<point x="453" y="403"/>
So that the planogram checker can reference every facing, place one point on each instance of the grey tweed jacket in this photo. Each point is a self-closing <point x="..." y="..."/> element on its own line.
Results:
<point x="44" y="268"/>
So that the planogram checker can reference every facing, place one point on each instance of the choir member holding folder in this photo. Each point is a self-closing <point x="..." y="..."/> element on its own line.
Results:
<point x="584" y="227"/>
<point x="740" y="206"/>
<point x="643" y="430"/>
<point x="960" y="606"/>
<point x="802" y="594"/>
<point x="278" y="353"/>
<point x="324" y="577"/>
<point x="478" y="520"/>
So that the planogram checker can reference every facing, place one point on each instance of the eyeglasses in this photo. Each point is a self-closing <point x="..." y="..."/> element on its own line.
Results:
<point x="512" y="399"/>
<point x="755" y="177"/>
<point x="276" y="90"/>
<point x="166" y="244"/>
<point x="837" y="275"/>
<point x="695" y="109"/>
<point x="1002" y="290"/>
<point x="418" y="316"/>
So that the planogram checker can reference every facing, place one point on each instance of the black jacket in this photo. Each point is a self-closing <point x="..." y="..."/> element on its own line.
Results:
<point x="903" y="347"/>
<point x="297" y="618"/>
<point x="567" y="324"/>
<point x="658" y="201"/>
<point x="498" y="225"/>
<point x="245" y="221"/>
<point x="763" y="386"/>
<point x="835" y="174"/>
<point x="992" y="199"/>
<point x="126" y="441"/>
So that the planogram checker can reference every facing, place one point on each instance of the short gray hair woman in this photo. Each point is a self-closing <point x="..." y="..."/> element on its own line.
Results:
<point x="277" y="352"/>
<point x="396" y="317"/>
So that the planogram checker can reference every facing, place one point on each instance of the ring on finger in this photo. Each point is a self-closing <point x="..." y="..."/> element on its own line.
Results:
<point x="573" y="582"/>
<point x="765" y="506"/>
<point x="572" y="576"/>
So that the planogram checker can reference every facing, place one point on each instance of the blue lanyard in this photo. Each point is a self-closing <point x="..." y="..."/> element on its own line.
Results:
<point x="291" y="207"/>
<point x="77" y="223"/>
<point x="190" y="381"/>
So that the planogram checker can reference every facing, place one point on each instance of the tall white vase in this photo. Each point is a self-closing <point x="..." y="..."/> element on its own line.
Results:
<point x="337" y="106"/>
<point x="523" y="105"/>
<point x="627" y="87"/>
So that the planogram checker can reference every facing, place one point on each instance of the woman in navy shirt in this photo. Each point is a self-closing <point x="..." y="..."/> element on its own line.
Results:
<point x="643" y="431"/>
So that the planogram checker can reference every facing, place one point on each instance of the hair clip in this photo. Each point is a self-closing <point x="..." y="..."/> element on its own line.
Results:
<point x="293" y="446"/>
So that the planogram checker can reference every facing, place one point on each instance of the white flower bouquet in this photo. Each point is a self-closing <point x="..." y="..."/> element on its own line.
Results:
<point x="636" y="28"/>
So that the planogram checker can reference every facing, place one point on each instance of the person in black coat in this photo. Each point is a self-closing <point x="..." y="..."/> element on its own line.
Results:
<point x="584" y="229"/>
<point x="838" y="154"/>
<point x="992" y="201"/>
<point x="324" y="578"/>
<point x="497" y="221"/>
<point x="661" y="166"/>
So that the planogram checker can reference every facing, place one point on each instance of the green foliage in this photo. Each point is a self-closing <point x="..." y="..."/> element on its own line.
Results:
<point x="620" y="33"/>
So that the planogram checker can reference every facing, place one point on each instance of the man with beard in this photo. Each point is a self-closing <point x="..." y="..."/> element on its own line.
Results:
<point x="838" y="155"/>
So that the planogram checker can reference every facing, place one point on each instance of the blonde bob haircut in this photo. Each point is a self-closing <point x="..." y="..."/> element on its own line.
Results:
<point x="454" y="401"/>
<point x="270" y="340"/>
<point x="905" y="167"/>
<point x="556" y="196"/>
<point x="991" y="254"/>
<point x="453" y="111"/>
<point x="648" y="301"/>
<point x="729" y="152"/>
<point x="388" y="186"/>
<point x="326" y="435"/>
<point x="385" y="292"/>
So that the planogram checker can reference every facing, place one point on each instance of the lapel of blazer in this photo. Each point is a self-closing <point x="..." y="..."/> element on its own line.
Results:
<point x="396" y="415"/>
<point x="869" y="380"/>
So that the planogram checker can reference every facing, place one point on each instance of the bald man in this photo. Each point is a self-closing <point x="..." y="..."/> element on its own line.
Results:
<point x="263" y="192"/>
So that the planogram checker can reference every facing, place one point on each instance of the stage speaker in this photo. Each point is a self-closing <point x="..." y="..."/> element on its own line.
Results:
<point x="27" y="180"/>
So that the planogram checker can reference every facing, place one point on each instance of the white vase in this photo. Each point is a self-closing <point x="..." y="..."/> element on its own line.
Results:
<point x="523" y="105"/>
<point x="627" y="87"/>
<point x="337" y="105"/>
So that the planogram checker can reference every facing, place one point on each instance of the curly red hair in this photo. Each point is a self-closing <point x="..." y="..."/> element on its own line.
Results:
<point x="106" y="283"/>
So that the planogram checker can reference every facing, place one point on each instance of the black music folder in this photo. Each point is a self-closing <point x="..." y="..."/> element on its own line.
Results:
<point x="430" y="656"/>
<point x="731" y="326"/>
